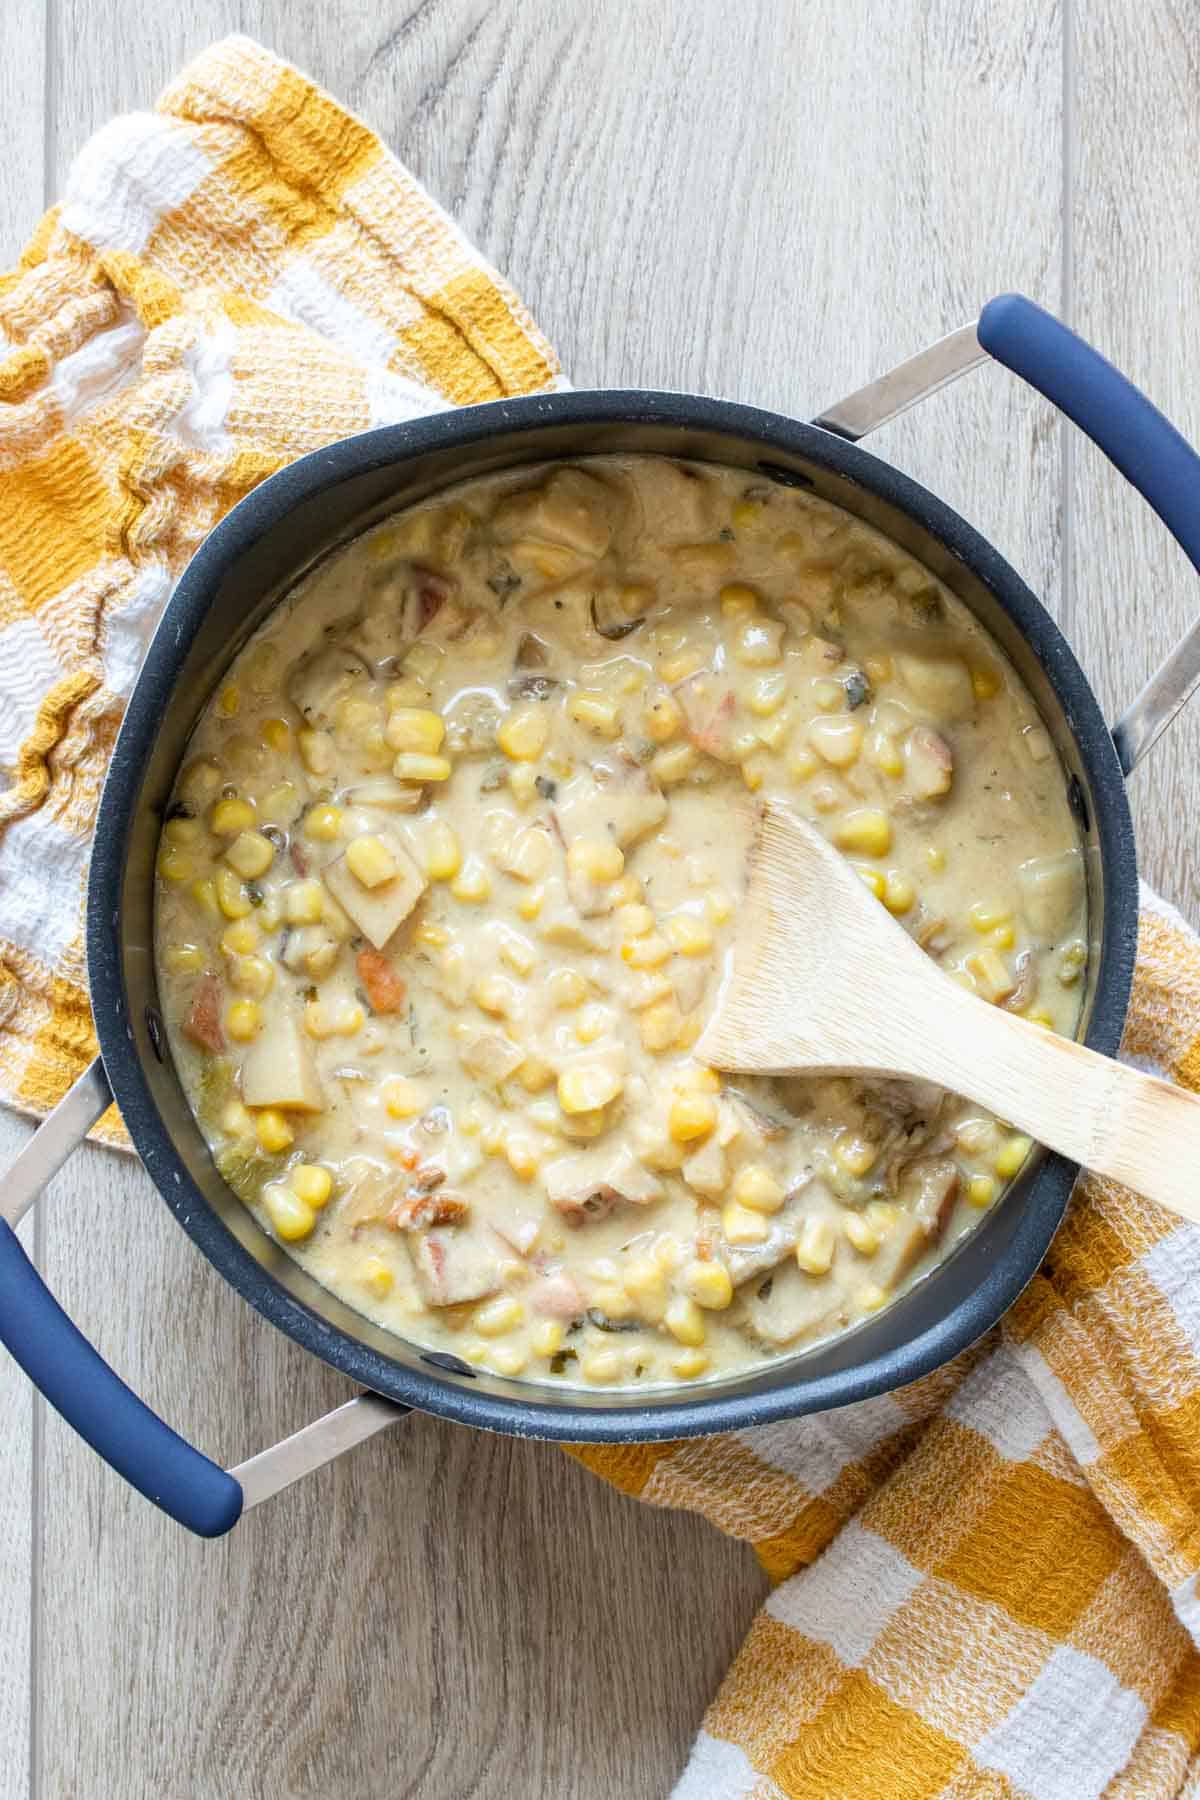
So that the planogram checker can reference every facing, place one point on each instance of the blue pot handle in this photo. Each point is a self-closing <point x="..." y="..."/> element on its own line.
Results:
<point x="73" y="1376"/>
<point x="1134" y="435"/>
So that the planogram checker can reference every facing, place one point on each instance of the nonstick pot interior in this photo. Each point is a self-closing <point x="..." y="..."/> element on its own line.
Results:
<point x="243" y="569"/>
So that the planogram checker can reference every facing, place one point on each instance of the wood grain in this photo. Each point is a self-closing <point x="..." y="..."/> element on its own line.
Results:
<point x="1134" y="198"/>
<point x="768" y="201"/>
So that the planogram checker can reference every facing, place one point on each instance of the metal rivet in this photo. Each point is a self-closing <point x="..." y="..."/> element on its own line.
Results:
<point x="452" y="1365"/>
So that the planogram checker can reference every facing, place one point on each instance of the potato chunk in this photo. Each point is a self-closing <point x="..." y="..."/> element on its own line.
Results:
<point x="941" y="685"/>
<point x="278" y="1069"/>
<point x="379" y="911"/>
<point x="571" y="509"/>
<point x="1051" y="891"/>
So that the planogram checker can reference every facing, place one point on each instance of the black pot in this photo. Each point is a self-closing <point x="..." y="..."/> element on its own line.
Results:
<point x="242" y="570"/>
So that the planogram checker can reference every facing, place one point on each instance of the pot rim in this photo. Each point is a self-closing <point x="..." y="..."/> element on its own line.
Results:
<point x="651" y="1415"/>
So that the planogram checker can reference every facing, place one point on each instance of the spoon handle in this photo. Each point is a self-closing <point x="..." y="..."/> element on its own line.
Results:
<point x="1143" y="1132"/>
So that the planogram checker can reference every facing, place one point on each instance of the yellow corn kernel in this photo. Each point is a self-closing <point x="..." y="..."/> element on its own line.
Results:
<point x="531" y="854"/>
<point x="899" y="894"/>
<point x="415" y="728"/>
<point x="600" y="1366"/>
<point x="596" y="859"/>
<point x="662" y="717"/>
<point x="814" y="1252"/>
<point x="292" y="1217"/>
<point x="742" y="1226"/>
<point x="546" y="1337"/>
<point x="754" y="773"/>
<point x="252" y="975"/>
<point x="856" y="1154"/>
<point x="719" y="906"/>
<point x="691" y="936"/>
<point x="497" y="995"/>
<point x="708" y="1284"/>
<point x="323" y="823"/>
<point x="403" y="1099"/>
<point x="530" y="904"/>
<point x="634" y="921"/>
<point x="174" y="864"/>
<point x="507" y="1359"/>
<point x="240" y="938"/>
<point x="885" y="754"/>
<point x="377" y="1278"/>
<point x="232" y="897"/>
<point x="521" y="1153"/>
<point x="413" y="765"/>
<point x="883" y="1215"/>
<point x="524" y="733"/>
<point x="698" y="1078"/>
<point x="1011" y="1156"/>
<point x="523" y="783"/>
<point x="660" y="1025"/>
<point x="988" y="918"/>
<point x="369" y="860"/>
<point x="587" y="1124"/>
<point x="534" y="1075"/>
<point x="691" y="1363"/>
<point x="757" y="644"/>
<point x="935" y="856"/>
<point x="755" y="1186"/>
<point x="443" y="854"/>
<point x="472" y="883"/>
<point x="860" y="1233"/>
<point x="981" y="1190"/>
<point x="1004" y="937"/>
<point x="317" y="751"/>
<point x="596" y="711"/>
<point x="673" y="764"/>
<point x="274" y="1132"/>
<point x="183" y="831"/>
<point x="236" y="1119"/>
<point x="229" y="817"/>
<point x="312" y="1182"/>
<point x="692" y="1116"/>
<point x="873" y="878"/>
<point x="204" y="893"/>
<point x="230" y="700"/>
<point x="435" y="935"/>
<point x="802" y="764"/>
<point x="774" y="730"/>
<point x="627" y="892"/>
<point x="567" y="987"/>
<point x="243" y="1021"/>
<point x="738" y="601"/>
<point x="496" y="1317"/>
<point x="518" y="953"/>
<point x="251" y="854"/>
<point x="593" y="1021"/>
<point x="985" y="682"/>
<point x="184" y="959"/>
<point x="277" y="734"/>
<point x="333" y="1018"/>
<point x="991" y="974"/>
<point x="304" y="903"/>
<point x="685" y="1321"/>
<point x="767" y="694"/>
<point x="743" y="744"/>
<point x="1039" y="1016"/>
<point x="645" y="952"/>
<point x="865" y="832"/>
<point x="689" y="1032"/>
<point x="646" y="1284"/>
<point x="587" y="1087"/>
<point x="878" y="668"/>
<point x="828" y="694"/>
<point x="870" y="1297"/>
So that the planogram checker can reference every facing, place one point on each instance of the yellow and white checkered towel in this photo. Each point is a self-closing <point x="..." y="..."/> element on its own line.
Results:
<point x="985" y="1584"/>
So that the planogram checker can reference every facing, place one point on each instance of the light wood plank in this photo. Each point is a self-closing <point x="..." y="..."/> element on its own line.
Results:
<point x="771" y="203"/>
<point x="17" y="1530"/>
<point x="22" y="95"/>
<point x="1136" y="189"/>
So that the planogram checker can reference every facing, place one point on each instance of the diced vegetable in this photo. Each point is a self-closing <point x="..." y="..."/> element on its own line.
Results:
<point x="203" y="1022"/>
<point x="278" y="1069"/>
<point x="379" y="911"/>
<point x="383" y="987"/>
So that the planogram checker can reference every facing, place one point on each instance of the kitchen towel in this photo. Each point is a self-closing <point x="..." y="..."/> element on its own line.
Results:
<point x="984" y="1585"/>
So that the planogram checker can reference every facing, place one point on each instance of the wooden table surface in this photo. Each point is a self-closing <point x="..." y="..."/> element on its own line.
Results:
<point x="772" y="200"/>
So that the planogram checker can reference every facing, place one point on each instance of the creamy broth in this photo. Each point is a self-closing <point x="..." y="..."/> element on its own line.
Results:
<point x="452" y="873"/>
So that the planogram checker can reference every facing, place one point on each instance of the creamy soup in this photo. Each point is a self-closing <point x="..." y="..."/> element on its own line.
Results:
<point x="451" y="877"/>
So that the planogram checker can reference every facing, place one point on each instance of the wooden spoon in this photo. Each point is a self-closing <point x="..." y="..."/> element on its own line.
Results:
<point x="824" y="980"/>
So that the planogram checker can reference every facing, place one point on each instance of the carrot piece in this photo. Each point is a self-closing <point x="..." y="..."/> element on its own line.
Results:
<point x="384" y="989"/>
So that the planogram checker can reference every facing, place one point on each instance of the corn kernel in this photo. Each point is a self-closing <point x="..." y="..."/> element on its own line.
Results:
<point x="304" y="903"/>
<point x="240" y="938"/>
<point x="518" y="952"/>
<point x="885" y="754"/>
<point x="627" y="892"/>
<point x="870" y="1297"/>
<point x="597" y="859"/>
<point x="530" y="904"/>
<point x="443" y="855"/>
<point x="738" y="601"/>
<point x="496" y="1317"/>
<point x="661" y="717"/>
<point x="292" y="1217"/>
<point x="251" y="854"/>
<point x="634" y="921"/>
<point x="1039" y="1016"/>
<point x="743" y="744"/>
<point x="278" y="804"/>
<point x="660" y="1025"/>
<point x="987" y="918"/>
<point x="317" y="751"/>
<point x="333" y="1018"/>
<point x="312" y="1182"/>
<point x="802" y="765"/>
<point x="587" y="1087"/>
<point x="685" y="1321"/>
<point x="593" y="1022"/>
<point x="981" y="1190"/>
<point x="229" y="817"/>
<point x="175" y="864"/>
<point x="522" y="1156"/>
<point x="690" y="935"/>
<point x="232" y="897"/>
<point x="935" y="856"/>
<point x="524" y="733"/>
<point x="277" y="734"/>
<point x="985" y="682"/>
<point x="594" y="710"/>
<point x="567" y="987"/>
<point x="274" y="1132"/>
<point x="698" y="1078"/>
<point x="742" y="1226"/>
<point x="878" y="668"/>
<point x="497" y="995"/>
<point x="689" y="1032"/>
<point x="243" y="1021"/>
<point x="645" y="952"/>
<point x="323" y="823"/>
<point x="828" y="694"/>
<point x="403" y="1099"/>
<point x="236" y="1119"/>
<point x="600" y="1366"/>
<point x="413" y="765"/>
<point x="546" y="1337"/>
<point x="991" y="974"/>
<point x="370" y="861"/>
<point x="204" y="893"/>
<point x="856" y="1154"/>
<point x="252" y="975"/>
<point x="719" y="906"/>
<point x="774" y="730"/>
<point x="691" y="1363"/>
<point x="415" y="728"/>
<point x="472" y="883"/>
<point x="531" y="854"/>
<point x="767" y="694"/>
<point x="883" y="1215"/>
<point x="860" y="1233"/>
<point x="757" y="644"/>
<point x="692" y="1116"/>
<point x="230" y="700"/>
<point x="866" y="832"/>
<point x="814" y="1252"/>
<point x="646" y="1284"/>
<point x="507" y="1359"/>
<point x="899" y="894"/>
<point x="184" y="959"/>
<point x="755" y="1186"/>
<point x="377" y="1278"/>
<point x="673" y="764"/>
<point x="872" y="878"/>
<point x="708" y="1284"/>
<point x="1004" y="937"/>
<point x="1011" y="1156"/>
<point x="183" y="831"/>
<point x="534" y="1075"/>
